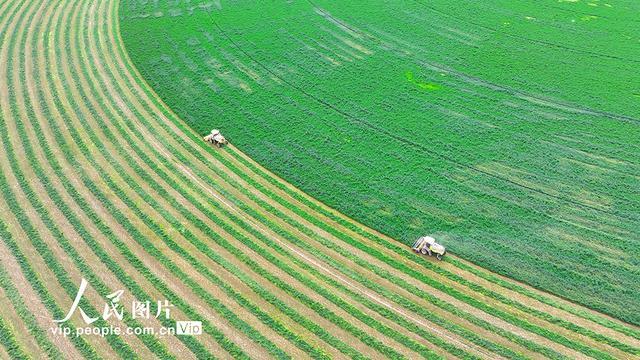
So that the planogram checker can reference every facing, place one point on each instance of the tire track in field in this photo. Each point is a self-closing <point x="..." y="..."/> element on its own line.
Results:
<point x="424" y="149"/>
<point x="413" y="144"/>
<point x="538" y="42"/>
<point x="520" y="94"/>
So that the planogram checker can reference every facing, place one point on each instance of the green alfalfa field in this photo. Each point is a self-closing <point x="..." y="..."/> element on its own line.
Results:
<point x="507" y="129"/>
<point x="108" y="191"/>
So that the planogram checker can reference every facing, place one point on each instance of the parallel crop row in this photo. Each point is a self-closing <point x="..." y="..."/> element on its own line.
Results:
<point x="8" y="341"/>
<point x="118" y="345"/>
<point x="18" y="303"/>
<point x="190" y="342"/>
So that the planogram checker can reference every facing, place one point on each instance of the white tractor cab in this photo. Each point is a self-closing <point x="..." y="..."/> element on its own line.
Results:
<point x="427" y="245"/>
<point x="216" y="138"/>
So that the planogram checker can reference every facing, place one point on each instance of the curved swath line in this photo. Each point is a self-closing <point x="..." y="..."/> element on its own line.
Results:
<point x="19" y="9"/>
<point x="37" y="69"/>
<point x="60" y="35"/>
<point x="98" y="169"/>
<point x="25" y="33"/>
<point x="508" y="90"/>
<point x="413" y="143"/>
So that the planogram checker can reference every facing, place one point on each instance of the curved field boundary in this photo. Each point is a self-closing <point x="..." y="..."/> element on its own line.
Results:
<point x="106" y="183"/>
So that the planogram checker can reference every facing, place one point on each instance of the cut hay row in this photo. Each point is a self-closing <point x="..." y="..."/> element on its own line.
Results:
<point x="156" y="348"/>
<point x="59" y="135"/>
<point x="10" y="200"/>
<point x="108" y="168"/>
<point x="10" y="348"/>
<point x="519" y="306"/>
<point x="17" y="303"/>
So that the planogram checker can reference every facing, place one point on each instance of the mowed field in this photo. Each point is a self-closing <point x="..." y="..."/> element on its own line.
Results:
<point x="100" y="180"/>
<point x="509" y="130"/>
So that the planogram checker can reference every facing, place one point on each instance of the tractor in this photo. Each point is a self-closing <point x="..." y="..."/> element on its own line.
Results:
<point x="427" y="245"/>
<point x="216" y="138"/>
